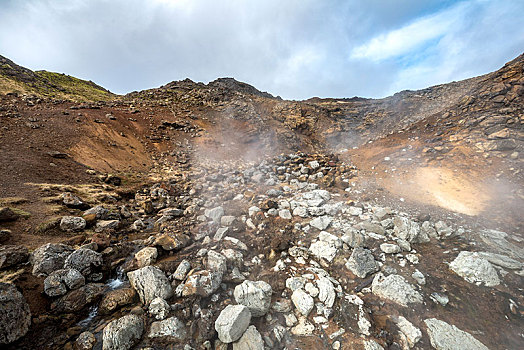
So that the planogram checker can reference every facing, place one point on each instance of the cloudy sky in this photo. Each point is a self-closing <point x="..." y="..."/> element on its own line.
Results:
<point x="294" y="48"/>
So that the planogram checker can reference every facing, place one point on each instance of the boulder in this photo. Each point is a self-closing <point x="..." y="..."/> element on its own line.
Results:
<point x="99" y="212"/>
<point x="409" y="333"/>
<point x="444" y="336"/>
<point x="409" y="230"/>
<point x="303" y="301"/>
<point x="326" y="247"/>
<point x="321" y="223"/>
<point x="232" y="323"/>
<point x="150" y="282"/>
<point x="172" y="241"/>
<point x="361" y="262"/>
<point x="15" y="316"/>
<point x="170" y="327"/>
<point x="203" y="283"/>
<point x="123" y="333"/>
<point x="49" y="257"/>
<point x="159" y="308"/>
<point x="7" y="214"/>
<point x="475" y="269"/>
<point x="182" y="270"/>
<point x="255" y="295"/>
<point x="146" y="256"/>
<point x="86" y="261"/>
<point x="60" y="281"/>
<point x="77" y="299"/>
<point x="396" y="289"/>
<point x="114" y="299"/>
<point x="72" y="223"/>
<point x="12" y="255"/>
<point x="85" y="341"/>
<point x="389" y="248"/>
<point x="216" y="262"/>
<point x="215" y="214"/>
<point x="104" y="225"/>
<point x="250" y="340"/>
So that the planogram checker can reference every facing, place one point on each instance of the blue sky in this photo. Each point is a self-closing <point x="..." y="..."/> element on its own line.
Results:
<point x="296" y="49"/>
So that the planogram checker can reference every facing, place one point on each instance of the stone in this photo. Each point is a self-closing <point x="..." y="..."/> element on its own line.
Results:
<point x="15" y="316"/>
<point x="203" y="283"/>
<point x="444" y="336"/>
<point x="321" y="223"/>
<point x="123" y="333"/>
<point x="232" y="323"/>
<point x="170" y="327"/>
<point x="303" y="328"/>
<point x="295" y="283"/>
<point x="104" y="225"/>
<point x="326" y="247"/>
<point x="411" y="333"/>
<point x="255" y="295"/>
<point x="396" y="289"/>
<point x="12" y="255"/>
<point x="326" y="291"/>
<point x="85" y="341"/>
<point x="419" y="277"/>
<point x="250" y="340"/>
<point x="354" y="238"/>
<point x="146" y="256"/>
<point x="49" y="257"/>
<point x="372" y="345"/>
<point x="117" y="298"/>
<point x="71" y="200"/>
<point x="99" y="212"/>
<point x="220" y="233"/>
<point x="227" y="220"/>
<point x="150" y="282"/>
<point x="5" y="235"/>
<point x="502" y="260"/>
<point x="72" y="223"/>
<point x="285" y="214"/>
<point x="181" y="271"/>
<point x="216" y="262"/>
<point x="86" y="261"/>
<point x="215" y="214"/>
<point x="408" y="230"/>
<point x="475" y="269"/>
<point x="77" y="299"/>
<point x="389" y="248"/>
<point x="159" y="308"/>
<point x="172" y="241"/>
<point x="361" y="262"/>
<point x="311" y="289"/>
<point x="60" y="281"/>
<point x="303" y="301"/>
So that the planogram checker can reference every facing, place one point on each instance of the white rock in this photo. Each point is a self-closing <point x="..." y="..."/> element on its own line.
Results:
<point x="389" y="248"/>
<point x="303" y="301"/>
<point x="182" y="270"/>
<point x="255" y="295"/>
<point x="232" y="322"/>
<point x="444" y="336"/>
<point x="150" y="282"/>
<point x="410" y="332"/>
<point x="146" y="256"/>
<point x="122" y="333"/>
<point x="285" y="214"/>
<point x="170" y="327"/>
<point x="321" y="222"/>
<point x="396" y="289"/>
<point x="372" y="345"/>
<point x="361" y="262"/>
<point x="475" y="269"/>
<point x="159" y="308"/>
<point x="250" y="340"/>
<point x="326" y="291"/>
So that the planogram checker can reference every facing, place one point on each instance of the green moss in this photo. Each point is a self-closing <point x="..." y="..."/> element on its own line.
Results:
<point x="22" y="213"/>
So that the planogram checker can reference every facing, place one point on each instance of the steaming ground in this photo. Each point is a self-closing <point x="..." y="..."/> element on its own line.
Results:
<point x="155" y="219"/>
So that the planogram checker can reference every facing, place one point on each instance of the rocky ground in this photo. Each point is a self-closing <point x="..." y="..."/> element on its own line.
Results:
<point x="216" y="216"/>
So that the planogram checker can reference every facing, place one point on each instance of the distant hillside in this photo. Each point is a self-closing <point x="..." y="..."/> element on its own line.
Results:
<point x="14" y="78"/>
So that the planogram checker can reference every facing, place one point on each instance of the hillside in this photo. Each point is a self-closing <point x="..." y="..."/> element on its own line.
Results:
<point x="197" y="215"/>
<point x="17" y="79"/>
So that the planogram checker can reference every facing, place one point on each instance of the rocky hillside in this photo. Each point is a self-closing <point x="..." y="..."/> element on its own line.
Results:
<point x="217" y="216"/>
<point x="17" y="79"/>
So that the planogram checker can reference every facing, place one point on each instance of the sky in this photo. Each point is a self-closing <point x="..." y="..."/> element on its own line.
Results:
<point x="295" y="49"/>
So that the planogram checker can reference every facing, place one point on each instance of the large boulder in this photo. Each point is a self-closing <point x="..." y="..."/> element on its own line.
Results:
<point x="255" y="295"/>
<point x="12" y="255"/>
<point x="150" y="282"/>
<point x="444" y="336"/>
<point x="361" y="262"/>
<point x="475" y="269"/>
<point x="203" y="283"/>
<point x="170" y="327"/>
<point x="146" y="256"/>
<point x="396" y="289"/>
<point x="409" y="230"/>
<point x="86" y="261"/>
<point x="15" y="316"/>
<point x="123" y="333"/>
<point x="60" y="281"/>
<point x="49" y="257"/>
<point x="303" y="301"/>
<point x="232" y="323"/>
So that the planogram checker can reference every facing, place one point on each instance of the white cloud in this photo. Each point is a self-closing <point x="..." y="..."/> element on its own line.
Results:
<point x="409" y="37"/>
